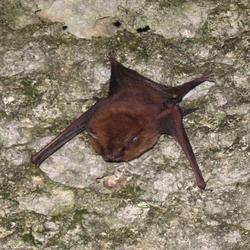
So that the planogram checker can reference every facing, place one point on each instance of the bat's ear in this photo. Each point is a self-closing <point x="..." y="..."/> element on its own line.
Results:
<point x="76" y="127"/>
<point x="122" y="76"/>
<point x="118" y="75"/>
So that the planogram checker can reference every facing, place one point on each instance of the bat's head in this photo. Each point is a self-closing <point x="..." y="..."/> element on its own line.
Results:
<point x="119" y="133"/>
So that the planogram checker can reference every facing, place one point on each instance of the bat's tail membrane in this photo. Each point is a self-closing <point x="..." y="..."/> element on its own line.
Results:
<point x="76" y="127"/>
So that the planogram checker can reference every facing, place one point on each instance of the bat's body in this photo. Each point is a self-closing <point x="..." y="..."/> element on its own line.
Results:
<point x="131" y="118"/>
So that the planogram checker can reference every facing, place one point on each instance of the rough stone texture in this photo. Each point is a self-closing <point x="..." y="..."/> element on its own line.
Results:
<point x="55" y="203"/>
<point x="75" y="200"/>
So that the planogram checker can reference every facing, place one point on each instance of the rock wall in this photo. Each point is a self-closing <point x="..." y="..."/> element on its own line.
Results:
<point x="53" y="62"/>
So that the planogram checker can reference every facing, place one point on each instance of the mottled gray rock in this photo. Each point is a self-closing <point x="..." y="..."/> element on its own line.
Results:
<point x="130" y="215"/>
<point x="75" y="165"/>
<point x="26" y="60"/>
<point x="13" y="133"/>
<point x="200" y="91"/>
<point x="76" y="200"/>
<point x="16" y="15"/>
<point x="86" y="19"/>
<point x="58" y="202"/>
<point x="82" y="18"/>
<point x="43" y="232"/>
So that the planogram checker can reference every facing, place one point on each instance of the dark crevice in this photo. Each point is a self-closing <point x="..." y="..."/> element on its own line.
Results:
<point x="117" y="24"/>
<point x="64" y="27"/>
<point x="144" y="29"/>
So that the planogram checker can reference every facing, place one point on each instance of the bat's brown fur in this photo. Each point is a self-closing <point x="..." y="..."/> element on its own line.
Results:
<point x="131" y="118"/>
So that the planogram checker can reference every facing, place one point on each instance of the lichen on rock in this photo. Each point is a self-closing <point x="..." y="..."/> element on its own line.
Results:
<point x="52" y="64"/>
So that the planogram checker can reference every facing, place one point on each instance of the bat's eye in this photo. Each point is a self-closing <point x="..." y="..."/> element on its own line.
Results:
<point x="133" y="139"/>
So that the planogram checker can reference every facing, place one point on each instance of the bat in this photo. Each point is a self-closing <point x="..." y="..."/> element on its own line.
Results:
<point x="129" y="121"/>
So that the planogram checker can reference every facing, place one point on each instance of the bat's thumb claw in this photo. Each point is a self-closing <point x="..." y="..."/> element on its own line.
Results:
<point x="208" y="76"/>
<point x="112" y="57"/>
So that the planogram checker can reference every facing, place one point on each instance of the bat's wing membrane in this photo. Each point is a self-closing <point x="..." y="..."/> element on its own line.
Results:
<point x="122" y="76"/>
<point x="180" y="91"/>
<point x="170" y="122"/>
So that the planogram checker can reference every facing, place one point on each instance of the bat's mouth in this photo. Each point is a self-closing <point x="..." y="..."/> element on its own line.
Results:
<point x="112" y="158"/>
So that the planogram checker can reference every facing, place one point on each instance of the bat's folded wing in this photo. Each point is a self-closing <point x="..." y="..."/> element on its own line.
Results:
<point x="76" y="127"/>
<point x="170" y="122"/>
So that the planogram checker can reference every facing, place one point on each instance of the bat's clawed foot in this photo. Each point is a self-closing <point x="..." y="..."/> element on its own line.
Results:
<point x="201" y="184"/>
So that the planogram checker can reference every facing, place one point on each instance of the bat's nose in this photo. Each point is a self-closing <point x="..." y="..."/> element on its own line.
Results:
<point x="112" y="157"/>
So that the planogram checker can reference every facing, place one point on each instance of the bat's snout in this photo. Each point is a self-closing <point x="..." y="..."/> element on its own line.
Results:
<point x="112" y="157"/>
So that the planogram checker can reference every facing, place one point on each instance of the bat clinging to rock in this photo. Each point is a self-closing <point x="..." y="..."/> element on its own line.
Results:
<point x="131" y="118"/>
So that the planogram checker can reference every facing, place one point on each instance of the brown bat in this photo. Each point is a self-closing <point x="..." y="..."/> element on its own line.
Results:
<point x="131" y="118"/>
